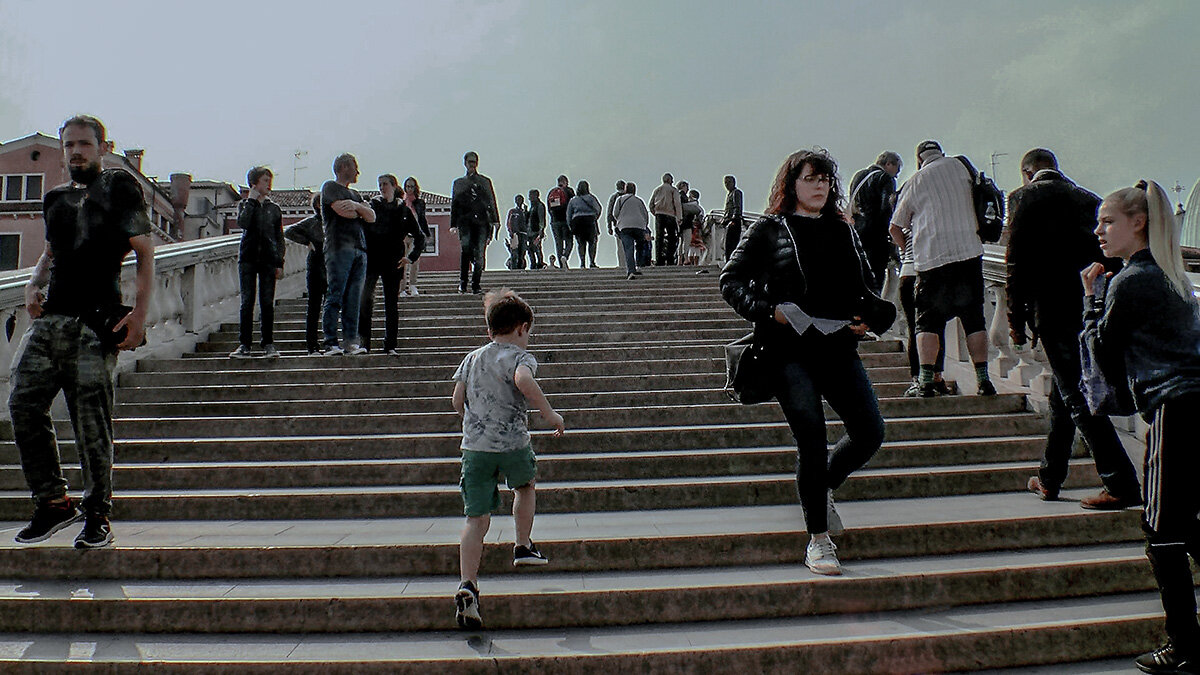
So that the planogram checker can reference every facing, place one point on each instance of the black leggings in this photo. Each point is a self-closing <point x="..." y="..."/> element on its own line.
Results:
<point x="838" y="375"/>
<point x="1169" y="517"/>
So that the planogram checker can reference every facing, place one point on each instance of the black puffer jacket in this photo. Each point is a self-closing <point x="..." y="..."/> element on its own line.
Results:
<point x="764" y="271"/>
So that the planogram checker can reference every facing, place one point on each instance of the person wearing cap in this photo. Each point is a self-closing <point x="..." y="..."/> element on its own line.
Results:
<point x="937" y="211"/>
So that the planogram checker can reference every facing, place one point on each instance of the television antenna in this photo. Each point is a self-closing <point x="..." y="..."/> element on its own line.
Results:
<point x="296" y="157"/>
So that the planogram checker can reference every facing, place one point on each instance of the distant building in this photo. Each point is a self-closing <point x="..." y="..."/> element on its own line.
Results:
<point x="33" y="165"/>
<point x="201" y="201"/>
<point x="442" y="251"/>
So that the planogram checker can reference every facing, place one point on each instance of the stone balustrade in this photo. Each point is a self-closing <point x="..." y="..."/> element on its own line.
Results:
<point x="196" y="289"/>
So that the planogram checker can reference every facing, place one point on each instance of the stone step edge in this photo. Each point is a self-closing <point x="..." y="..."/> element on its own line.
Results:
<point x="610" y="484"/>
<point x="911" y="539"/>
<point x="948" y="650"/>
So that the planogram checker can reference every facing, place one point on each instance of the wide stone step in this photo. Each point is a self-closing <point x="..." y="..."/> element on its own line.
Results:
<point x="432" y="389"/>
<point x="600" y="599"/>
<point x="589" y="466"/>
<point x="378" y="373"/>
<point x="586" y="353"/>
<point x="614" y="334"/>
<point x="579" y="418"/>
<point x="376" y="446"/>
<point x="897" y="406"/>
<point x="911" y="641"/>
<point x="629" y="540"/>
<point x="459" y="322"/>
<point x="639" y="324"/>
<point x="402" y="501"/>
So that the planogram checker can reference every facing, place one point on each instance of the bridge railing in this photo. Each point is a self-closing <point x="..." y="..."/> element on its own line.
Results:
<point x="196" y="290"/>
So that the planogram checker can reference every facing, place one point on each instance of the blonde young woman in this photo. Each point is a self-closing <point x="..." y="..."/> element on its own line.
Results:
<point x="412" y="199"/>
<point x="1145" y="330"/>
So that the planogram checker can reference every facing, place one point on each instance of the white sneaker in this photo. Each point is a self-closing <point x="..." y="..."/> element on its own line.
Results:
<point x="356" y="350"/>
<point x="404" y="293"/>
<point x="821" y="557"/>
<point x="413" y="291"/>
<point x="335" y="350"/>
<point x="832" y="519"/>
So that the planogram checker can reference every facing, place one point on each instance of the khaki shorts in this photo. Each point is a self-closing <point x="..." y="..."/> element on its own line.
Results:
<point x="481" y="471"/>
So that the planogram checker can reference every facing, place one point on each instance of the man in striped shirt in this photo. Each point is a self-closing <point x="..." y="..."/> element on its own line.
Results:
<point x="936" y="209"/>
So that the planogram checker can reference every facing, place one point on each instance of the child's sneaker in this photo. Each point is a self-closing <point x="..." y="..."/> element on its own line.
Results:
<point x="48" y="519"/>
<point x="466" y="607"/>
<point x="528" y="555"/>
<point x="821" y="557"/>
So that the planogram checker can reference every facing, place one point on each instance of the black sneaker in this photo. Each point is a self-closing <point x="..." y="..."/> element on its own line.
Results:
<point x="942" y="388"/>
<point x="928" y="390"/>
<point x="986" y="388"/>
<point x="96" y="532"/>
<point x="462" y="288"/>
<point x="48" y="519"/>
<point x="466" y="607"/>
<point x="528" y="555"/>
<point x="1166" y="659"/>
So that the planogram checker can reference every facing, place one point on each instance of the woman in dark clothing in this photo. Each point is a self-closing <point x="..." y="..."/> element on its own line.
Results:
<point x="583" y="213"/>
<point x="412" y="199"/>
<point x="800" y="275"/>
<point x="385" y="259"/>
<point x="1145" y="331"/>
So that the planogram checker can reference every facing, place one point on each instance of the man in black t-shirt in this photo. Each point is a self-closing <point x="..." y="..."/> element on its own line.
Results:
<point x="78" y="327"/>
<point x="343" y="211"/>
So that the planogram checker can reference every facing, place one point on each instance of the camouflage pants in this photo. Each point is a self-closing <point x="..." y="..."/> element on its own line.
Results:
<point x="62" y="354"/>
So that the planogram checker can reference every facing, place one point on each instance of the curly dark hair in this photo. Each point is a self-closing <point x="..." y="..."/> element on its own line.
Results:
<point x="783" y="189"/>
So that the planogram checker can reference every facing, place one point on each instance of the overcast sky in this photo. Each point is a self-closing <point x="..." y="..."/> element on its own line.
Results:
<point x="613" y="89"/>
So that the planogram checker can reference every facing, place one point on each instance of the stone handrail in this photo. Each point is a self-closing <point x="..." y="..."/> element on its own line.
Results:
<point x="196" y="290"/>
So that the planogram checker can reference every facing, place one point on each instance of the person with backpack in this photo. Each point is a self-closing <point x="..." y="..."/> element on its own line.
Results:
<point x="936" y="209"/>
<point x="556" y="204"/>
<point x="583" y="213"/>
<point x="872" y="194"/>
<point x="475" y="216"/>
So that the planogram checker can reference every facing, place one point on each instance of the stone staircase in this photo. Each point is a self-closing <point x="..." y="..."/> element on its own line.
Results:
<point x="302" y="516"/>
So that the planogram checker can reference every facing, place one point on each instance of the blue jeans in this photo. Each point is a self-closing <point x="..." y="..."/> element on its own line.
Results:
<point x="835" y="373"/>
<point x="345" y="270"/>
<point x="629" y="240"/>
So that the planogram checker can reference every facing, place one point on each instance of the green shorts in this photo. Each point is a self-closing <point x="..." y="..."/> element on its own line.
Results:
<point x="479" y="482"/>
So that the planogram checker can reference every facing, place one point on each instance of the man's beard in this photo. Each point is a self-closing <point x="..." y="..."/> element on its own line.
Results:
<point x="86" y="174"/>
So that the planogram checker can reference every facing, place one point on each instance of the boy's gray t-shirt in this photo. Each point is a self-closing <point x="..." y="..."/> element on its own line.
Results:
<point x="495" y="418"/>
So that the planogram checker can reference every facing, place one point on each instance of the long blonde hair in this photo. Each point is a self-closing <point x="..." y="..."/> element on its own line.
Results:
<point x="1162" y="229"/>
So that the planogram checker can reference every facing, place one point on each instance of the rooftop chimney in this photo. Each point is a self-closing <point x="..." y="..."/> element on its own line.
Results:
<point x="134" y="155"/>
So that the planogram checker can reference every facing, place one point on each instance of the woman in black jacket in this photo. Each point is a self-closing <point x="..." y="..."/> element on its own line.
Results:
<point x="412" y="199"/>
<point x="1144" y="331"/>
<point x="800" y="275"/>
<point x="385" y="259"/>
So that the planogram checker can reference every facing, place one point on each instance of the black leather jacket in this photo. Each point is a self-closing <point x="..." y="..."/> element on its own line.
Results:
<point x="764" y="271"/>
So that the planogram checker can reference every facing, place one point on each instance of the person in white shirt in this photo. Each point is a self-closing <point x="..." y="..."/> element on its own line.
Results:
<point x="937" y="211"/>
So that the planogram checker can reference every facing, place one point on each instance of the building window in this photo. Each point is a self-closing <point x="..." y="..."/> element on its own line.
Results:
<point x="21" y="187"/>
<point x="431" y="242"/>
<point x="10" y="251"/>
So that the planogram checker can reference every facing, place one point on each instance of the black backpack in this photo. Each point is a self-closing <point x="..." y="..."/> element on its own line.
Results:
<point x="989" y="203"/>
